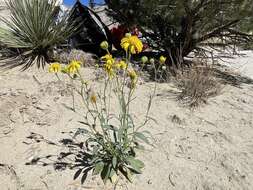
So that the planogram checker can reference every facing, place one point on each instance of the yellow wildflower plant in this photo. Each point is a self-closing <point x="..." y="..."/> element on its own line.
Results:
<point x="54" y="67"/>
<point x="121" y="65"/>
<point x="162" y="59"/>
<point x="131" y="44"/>
<point x="73" y="67"/>
<point x="103" y="123"/>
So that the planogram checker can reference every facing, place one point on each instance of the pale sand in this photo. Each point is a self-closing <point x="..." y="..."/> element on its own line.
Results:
<point x="210" y="148"/>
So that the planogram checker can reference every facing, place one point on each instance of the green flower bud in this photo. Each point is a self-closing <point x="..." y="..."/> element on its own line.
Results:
<point x="128" y="35"/>
<point x="104" y="45"/>
<point x="152" y="61"/>
<point x="144" y="59"/>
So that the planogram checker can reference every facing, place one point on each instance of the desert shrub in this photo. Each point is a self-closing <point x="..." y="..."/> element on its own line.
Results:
<point x="196" y="84"/>
<point x="66" y="57"/>
<point x="111" y="138"/>
<point x="32" y="32"/>
<point x="171" y="26"/>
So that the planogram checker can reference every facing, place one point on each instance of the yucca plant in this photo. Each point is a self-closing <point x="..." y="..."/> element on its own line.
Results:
<point x="32" y="32"/>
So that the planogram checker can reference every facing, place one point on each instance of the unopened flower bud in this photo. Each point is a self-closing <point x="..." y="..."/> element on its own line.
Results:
<point x="162" y="59"/>
<point x="104" y="45"/>
<point x="152" y="61"/>
<point x="128" y="35"/>
<point x="144" y="59"/>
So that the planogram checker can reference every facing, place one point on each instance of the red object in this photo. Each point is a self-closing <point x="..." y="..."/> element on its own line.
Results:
<point x="119" y="32"/>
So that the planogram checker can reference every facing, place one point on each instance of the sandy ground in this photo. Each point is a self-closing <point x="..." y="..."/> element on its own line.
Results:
<point x="243" y="63"/>
<point x="210" y="148"/>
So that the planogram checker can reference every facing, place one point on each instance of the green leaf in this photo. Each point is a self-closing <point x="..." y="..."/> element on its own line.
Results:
<point x="136" y="164"/>
<point x="120" y="134"/>
<point x="106" y="172"/>
<point x="98" y="168"/>
<point x="114" y="161"/>
<point x="112" y="172"/>
<point x="142" y="137"/>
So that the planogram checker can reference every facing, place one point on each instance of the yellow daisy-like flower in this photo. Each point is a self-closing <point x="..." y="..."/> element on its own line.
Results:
<point x="132" y="44"/>
<point x="106" y="57"/>
<point x="123" y="65"/>
<point x="73" y="67"/>
<point x="54" y="67"/>
<point x="109" y="64"/>
<point x="117" y="66"/>
<point x="109" y="68"/>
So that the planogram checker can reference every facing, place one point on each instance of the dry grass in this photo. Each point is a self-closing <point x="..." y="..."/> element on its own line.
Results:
<point x="197" y="83"/>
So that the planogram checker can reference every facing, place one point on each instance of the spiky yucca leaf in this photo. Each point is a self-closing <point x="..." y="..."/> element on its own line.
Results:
<point x="32" y="32"/>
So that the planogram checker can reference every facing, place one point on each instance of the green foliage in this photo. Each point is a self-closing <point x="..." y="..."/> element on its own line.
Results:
<point x="183" y="26"/>
<point x="32" y="32"/>
<point x="111" y="153"/>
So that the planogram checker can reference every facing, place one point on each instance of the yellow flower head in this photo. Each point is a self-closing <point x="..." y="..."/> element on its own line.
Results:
<point x="132" y="74"/>
<point x="132" y="44"/>
<point x="54" y="67"/>
<point x="109" y="69"/>
<point x="73" y="67"/>
<point x="106" y="57"/>
<point x="109" y="64"/>
<point x="162" y="59"/>
<point x="121" y="65"/>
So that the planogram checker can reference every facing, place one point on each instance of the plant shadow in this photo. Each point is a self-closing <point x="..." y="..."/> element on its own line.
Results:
<point x="72" y="154"/>
<point x="230" y="78"/>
